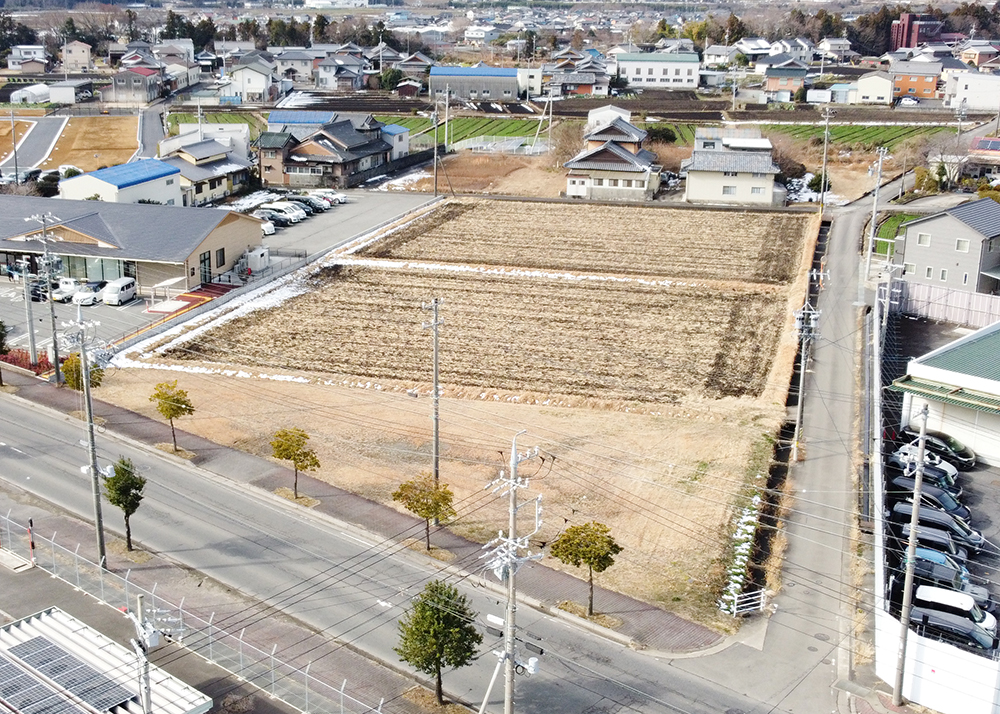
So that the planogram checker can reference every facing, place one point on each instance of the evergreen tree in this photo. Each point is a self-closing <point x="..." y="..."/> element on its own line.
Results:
<point x="124" y="490"/>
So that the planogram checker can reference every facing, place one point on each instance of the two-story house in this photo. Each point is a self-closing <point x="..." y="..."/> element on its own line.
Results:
<point x="253" y="83"/>
<point x="296" y="65"/>
<point x="732" y="166"/>
<point x="209" y="171"/>
<point x="915" y="79"/>
<point x="781" y="83"/>
<point x="958" y="248"/>
<point x="136" y="85"/>
<point x="798" y="48"/>
<point x="613" y="165"/>
<point x="76" y="56"/>
<point x="29" y="59"/>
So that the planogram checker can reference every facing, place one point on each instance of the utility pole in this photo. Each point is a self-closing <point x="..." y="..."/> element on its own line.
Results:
<point x="882" y="151"/>
<point x="447" y="110"/>
<point x="47" y="262"/>
<point x="960" y="114"/>
<point x="911" y="556"/>
<point x="25" y="265"/>
<point x="434" y="324"/>
<point x="83" y="334"/>
<point x="13" y="138"/>
<point x="504" y="561"/>
<point x="434" y="124"/>
<point x="147" y="636"/>
<point x="806" y="321"/>
<point x="823" y="181"/>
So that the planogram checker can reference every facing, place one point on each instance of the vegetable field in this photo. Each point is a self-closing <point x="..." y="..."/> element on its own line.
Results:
<point x="864" y="136"/>
<point x="257" y="125"/>
<point x="469" y="127"/>
<point x="683" y="132"/>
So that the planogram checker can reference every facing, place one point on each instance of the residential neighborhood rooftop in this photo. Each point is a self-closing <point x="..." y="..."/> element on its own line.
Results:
<point x="125" y="175"/>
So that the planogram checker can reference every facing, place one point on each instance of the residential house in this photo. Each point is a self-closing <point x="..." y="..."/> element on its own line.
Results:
<point x="753" y="48"/>
<point x="798" y="48"/>
<point x="153" y="244"/>
<point x="416" y="65"/>
<point x="342" y="71"/>
<point x="960" y="387"/>
<point x="398" y="137"/>
<point x="76" y="56"/>
<point x="675" y="44"/>
<point x="958" y="248"/>
<point x="659" y="70"/>
<point x="479" y="35"/>
<point x="978" y="52"/>
<point x="295" y="65"/>
<point x="147" y="180"/>
<point x="409" y="87"/>
<point x="181" y="76"/>
<point x="983" y="160"/>
<point x="567" y="84"/>
<point x="299" y="122"/>
<point x="781" y="83"/>
<point x="836" y="49"/>
<point x="342" y="153"/>
<point x="31" y="55"/>
<point x="979" y="92"/>
<point x="209" y="171"/>
<point x="495" y="84"/>
<point x="613" y="165"/>
<point x="732" y="166"/>
<point x="915" y="79"/>
<point x="254" y="83"/>
<point x="875" y="88"/>
<point x="177" y="50"/>
<point x="136" y="85"/>
<point x="208" y="61"/>
<point x="780" y="60"/>
<point x="235" y="137"/>
<point x="720" y="54"/>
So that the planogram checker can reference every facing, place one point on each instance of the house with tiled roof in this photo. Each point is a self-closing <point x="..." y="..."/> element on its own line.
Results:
<point x="732" y="166"/>
<point x="613" y="165"/>
<point x="960" y="386"/>
<point x="148" y="180"/>
<point x="209" y="171"/>
<point x="958" y="248"/>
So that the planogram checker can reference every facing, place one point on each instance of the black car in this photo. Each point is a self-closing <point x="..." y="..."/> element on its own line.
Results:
<point x="947" y="447"/>
<point x="932" y="476"/>
<point x="305" y="205"/>
<point x="901" y="488"/>
<point x="276" y="218"/>
<point x="39" y="292"/>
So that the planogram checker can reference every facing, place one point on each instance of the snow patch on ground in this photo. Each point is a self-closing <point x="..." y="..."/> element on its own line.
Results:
<point x="251" y="201"/>
<point x="402" y="183"/>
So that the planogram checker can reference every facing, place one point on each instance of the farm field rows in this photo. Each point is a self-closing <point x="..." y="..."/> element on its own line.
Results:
<point x="683" y="132"/>
<point x="867" y="136"/>
<point x="469" y="127"/>
<point x="257" y="125"/>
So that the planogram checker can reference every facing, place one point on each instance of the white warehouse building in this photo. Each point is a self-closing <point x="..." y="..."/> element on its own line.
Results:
<point x="659" y="70"/>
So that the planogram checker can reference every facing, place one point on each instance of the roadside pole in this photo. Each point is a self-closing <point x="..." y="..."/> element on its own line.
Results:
<point x="25" y="264"/>
<point x="882" y="151"/>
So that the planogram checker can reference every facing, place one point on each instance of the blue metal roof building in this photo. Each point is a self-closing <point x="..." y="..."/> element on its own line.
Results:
<point x="480" y="83"/>
<point x="393" y="129"/>
<point x="125" y="175"/>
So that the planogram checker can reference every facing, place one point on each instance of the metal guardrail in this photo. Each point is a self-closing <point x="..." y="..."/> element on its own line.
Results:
<point x="264" y="669"/>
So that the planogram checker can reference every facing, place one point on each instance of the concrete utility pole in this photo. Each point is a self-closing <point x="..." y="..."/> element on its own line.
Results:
<point x="13" y="139"/>
<point x="882" y="151"/>
<point x="83" y="334"/>
<point x="960" y="114"/>
<point x="806" y="321"/>
<point x="44" y="219"/>
<point x="505" y="562"/>
<point x="828" y="113"/>
<point x="434" y="324"/>
<point x="911" y="556"/>
<point x="447" y="114"/>
<point x="25" y="265"/>
<point x="434" y="138"/>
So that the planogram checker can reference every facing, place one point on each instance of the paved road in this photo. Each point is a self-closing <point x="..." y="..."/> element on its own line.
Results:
<point x="36" y="145"/>
<point x="337" y="580"/>
<point x="152" y="130"/>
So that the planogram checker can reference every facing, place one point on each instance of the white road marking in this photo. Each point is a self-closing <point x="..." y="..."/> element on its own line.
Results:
<point x="356" y="540"/>
<point x="383" y="603"/>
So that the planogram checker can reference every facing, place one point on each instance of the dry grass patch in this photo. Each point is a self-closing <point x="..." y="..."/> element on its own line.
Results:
<point x="425" y="699"/>
<point x="466" y="172"/>
<point x="6" y="141"/>
<point x="419" y="545"/>
<point x="91" y="142"/>
<point x="289" y="495"/>
<point x="179" y="452"/>
<point x="598" y="618"/>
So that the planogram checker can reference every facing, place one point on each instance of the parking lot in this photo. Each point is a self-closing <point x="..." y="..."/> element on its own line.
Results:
<point x="364" y="211"/>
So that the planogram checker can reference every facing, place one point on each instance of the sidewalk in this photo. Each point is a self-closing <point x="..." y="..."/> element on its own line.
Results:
<point x="643" y="626"/>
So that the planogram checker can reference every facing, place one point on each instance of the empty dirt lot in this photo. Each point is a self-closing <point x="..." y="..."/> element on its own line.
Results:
<point x="646" y="351"/>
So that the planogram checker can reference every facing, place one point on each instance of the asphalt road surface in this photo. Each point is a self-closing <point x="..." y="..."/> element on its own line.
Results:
<point x="35" y="146"/>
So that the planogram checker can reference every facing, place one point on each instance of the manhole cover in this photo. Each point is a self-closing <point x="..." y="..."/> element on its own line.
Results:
<point x="820" y="636"/>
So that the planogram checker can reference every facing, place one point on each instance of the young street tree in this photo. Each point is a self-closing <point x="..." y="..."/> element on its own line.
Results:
<point x="590" y="545"/>
<point x="124" y="490"/>
<point x="172" y="403"/>
<point x="291" y="445"/>
<point x="72" y="370"/>
<point x="438" y="632"/>
<point x="426" y="499"/>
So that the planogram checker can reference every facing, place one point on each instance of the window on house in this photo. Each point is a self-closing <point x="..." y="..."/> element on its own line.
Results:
<point x="728" y="190"/>
<point x="708" y="145"/>
<point x="758" y="175"/>
<point x="220" y="257"/>
<point x="962" y="245"/>
<point x="170" y="182"/>
<point x="911" y="90"/>
<point x="944" y="274"/>
<point x="757" y="190"/>
<point x="924" y="239"/>
<point x="627" y="183"/>
<point x="638" y="70"/>
<point x="909" y="268"/>
<point x="728" y="173"/>
<point x="666" y="71"/>
<point x="316" y="170"/>
<point x="690" y="72"/>
<point x="677" y="71"/>
<point x="598" y="182"/>
<point x="929" y="273"/>
<point x="486" y="92"/>
<point x="678" y="80"/>
<point x="649" y="71"/>
<point x="613" y="182"/>
<point x="640" y="184"/>
<point x="269" y="154"/>
<point x="199" y="188"/>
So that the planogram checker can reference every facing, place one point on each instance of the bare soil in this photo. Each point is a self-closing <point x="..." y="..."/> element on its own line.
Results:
<point x="466" y="172"/>
<point x="646" y="372"/>
<point x="6" y="143"/>
<point x="91" y="142"/>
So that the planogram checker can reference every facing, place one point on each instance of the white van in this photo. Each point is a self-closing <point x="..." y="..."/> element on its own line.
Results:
<point x="286" y="208"/>
<point x="957" y="603"/>
<point x="119" y="291"/>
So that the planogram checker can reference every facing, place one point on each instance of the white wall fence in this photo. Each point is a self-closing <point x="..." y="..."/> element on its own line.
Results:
<point x="262" y="668"/>
<point x="946" y="305"/>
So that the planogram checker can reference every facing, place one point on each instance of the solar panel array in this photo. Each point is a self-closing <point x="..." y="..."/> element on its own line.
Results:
<point x="988" y="144"/>
<point x="77" y="677"/>
<point x="26" y="694"/>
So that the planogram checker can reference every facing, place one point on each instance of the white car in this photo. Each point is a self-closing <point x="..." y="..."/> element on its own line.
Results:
<point x="66" y="290"/>
<point x="90" y="294"/>
<point x="267" y="228"/>
<point x="909" y="102"/>
<point x="329" y="194"/>
<point x="908" y="454"/>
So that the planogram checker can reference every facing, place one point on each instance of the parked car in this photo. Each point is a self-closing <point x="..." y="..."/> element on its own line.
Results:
<point x="68" y="287"/>
<point x="928" y="537"/>
<point x="29" y="175"/>
<point x="901" y="489"/>
<point x="908" y="454"/>
<point x="932" y="476"/>
<point x="91" y="293"/>
<point x="274" y="217"/>
<point x="929" y="597"/>
<point x="909" y="102"/>
<point x="947" y="447"/>
<point x="329" y="194"/>
<point x="953" y="629"/>
<point x="960" y="531"/>
<point x="66" y="168"/>
<point x="936" y="557"/>
<point x="119" y="291"/>
<point x="267" y="228"/>
<point x="292" y="211"/>
<point x="314" y="203"/>
<point x="39" y="291"/>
